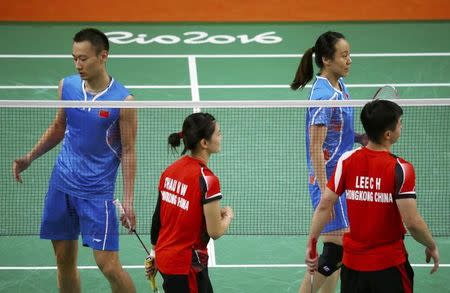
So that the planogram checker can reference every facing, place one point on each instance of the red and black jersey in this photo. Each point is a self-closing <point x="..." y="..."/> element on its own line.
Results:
<point x="178" y="222"/>
<point x="372" y="182"/>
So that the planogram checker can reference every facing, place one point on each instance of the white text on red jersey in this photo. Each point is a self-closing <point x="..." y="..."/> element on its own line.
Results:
<point x="365" y="182"/>
<point x="175" y="186"/>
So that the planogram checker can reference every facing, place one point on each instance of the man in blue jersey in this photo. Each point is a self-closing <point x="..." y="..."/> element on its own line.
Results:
<point x="81" y="188"/>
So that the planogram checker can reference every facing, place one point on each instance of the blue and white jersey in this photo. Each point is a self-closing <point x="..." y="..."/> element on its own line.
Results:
<point x="91" y="150"/>
<point x="339" y="123"/>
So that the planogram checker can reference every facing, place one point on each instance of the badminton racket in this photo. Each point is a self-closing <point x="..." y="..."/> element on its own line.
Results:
<point x="387" y="92"/>
<point x="312" y="255"/>
<point x="119" y="206"/>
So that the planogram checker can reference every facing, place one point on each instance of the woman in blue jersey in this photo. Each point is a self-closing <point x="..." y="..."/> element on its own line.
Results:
<point x="329" y="133"/>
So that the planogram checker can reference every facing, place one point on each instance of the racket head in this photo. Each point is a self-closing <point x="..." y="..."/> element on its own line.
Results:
<point x="387" y="92"/>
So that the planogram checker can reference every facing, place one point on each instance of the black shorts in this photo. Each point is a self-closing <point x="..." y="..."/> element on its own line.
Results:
<point x="183" y="283"/>
<point x="398" y="279"/>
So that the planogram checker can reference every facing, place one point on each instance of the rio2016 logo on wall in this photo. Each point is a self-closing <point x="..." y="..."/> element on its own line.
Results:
<point x="191" y="38"/>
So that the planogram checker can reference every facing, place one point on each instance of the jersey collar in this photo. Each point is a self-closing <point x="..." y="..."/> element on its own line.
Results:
<point x="327" y="82"/>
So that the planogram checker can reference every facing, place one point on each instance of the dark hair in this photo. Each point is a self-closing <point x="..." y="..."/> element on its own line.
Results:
<point x="97" y="38"/>
<point x="196" y="127"/>
<point x="324" y="47"/>
<point x="379" y="116"/>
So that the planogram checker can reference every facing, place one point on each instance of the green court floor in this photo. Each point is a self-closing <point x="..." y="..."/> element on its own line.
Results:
<point x="216" y="62"/>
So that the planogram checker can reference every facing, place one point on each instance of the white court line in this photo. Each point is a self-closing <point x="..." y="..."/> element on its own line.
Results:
<point x="195" y="86"/>
<point x="168" y="56"/>
<point x="362" y="85"/>
<point x="193" y="77"/>
<point x="211" y="254"/>
<point x="24" y="268"/>
<point x="195" y="95"/>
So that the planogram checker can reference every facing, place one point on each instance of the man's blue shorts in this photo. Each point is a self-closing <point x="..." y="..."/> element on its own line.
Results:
<point x="340" y="220"/>
<point x="66" y="216"/>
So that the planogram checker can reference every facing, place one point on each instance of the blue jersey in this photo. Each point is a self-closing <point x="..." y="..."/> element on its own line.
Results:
<point x="91" y="150"/>
<point x="339" y="123"/>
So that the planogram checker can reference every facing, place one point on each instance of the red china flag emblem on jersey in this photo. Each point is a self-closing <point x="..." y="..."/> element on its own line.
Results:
<point x="336" y="127"/>
<point x="326" y="154"/>
<point x="103" y="113"/>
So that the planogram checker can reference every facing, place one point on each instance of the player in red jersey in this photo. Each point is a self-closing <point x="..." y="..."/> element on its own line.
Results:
<point x="188" y="211"/>
<point x="381" y="200"/>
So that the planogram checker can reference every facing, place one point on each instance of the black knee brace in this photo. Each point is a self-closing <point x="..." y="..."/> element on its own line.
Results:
<point x="331" y="259"/>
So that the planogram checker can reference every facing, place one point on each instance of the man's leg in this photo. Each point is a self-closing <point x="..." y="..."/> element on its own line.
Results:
<point x="66" y="252"/>
<point x="109" y="263"/>
<point x="60" y="225"/>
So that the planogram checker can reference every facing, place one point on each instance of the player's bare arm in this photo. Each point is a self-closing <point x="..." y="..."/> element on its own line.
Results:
<point x="418" y="229"/>
<point x="128" y="130"/>
<point x="320" y="219"/>
<point x="51" y="137"/>
<point x="217" y="219"/>
<point x="317" y="137"/>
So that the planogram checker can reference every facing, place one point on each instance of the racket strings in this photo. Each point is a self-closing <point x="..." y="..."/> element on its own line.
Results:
<point x="387" y="92"/>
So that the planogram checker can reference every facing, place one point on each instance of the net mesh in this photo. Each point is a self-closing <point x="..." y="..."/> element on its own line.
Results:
<point x="262" y="166"/>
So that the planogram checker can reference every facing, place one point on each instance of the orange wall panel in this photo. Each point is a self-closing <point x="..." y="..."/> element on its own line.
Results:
<point x="222" y="10"/>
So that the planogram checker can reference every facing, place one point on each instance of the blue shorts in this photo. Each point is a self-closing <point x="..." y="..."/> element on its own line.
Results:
<point x="340" y="220"/>
<point x="66" y="216"/>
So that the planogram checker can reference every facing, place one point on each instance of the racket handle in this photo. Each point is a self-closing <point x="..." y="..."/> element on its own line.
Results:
<point x="119" y="206"/>
<point x="312" y="254"/>
<point x="313" y="251"/>
<point x="153" y="284"/>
